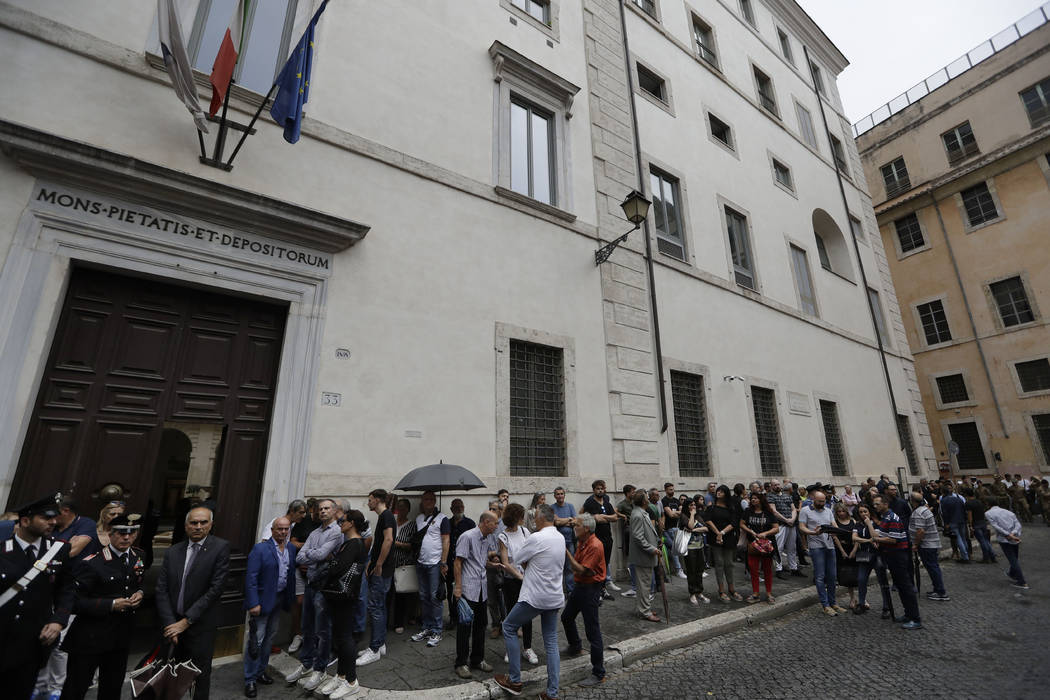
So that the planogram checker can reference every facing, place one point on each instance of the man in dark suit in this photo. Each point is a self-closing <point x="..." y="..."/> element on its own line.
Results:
<point x="109" y="591"/>
<point x="269" y="587"/>
<point x="35" y="602"/>
<point x="188" y="589"/>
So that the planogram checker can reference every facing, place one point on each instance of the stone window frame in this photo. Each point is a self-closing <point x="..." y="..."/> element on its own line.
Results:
<point x="694" y="18"/>
<point x="516" y="76"/>
<point x="730" y="149"/>
<point x="935" y="389"/>
<point x="655" y="17"/>
<point x="982" y="434"/>
<point x="504" y="334"/>
<point x="748" y="14"/>
<point x="1026" y="283"/>
<point x="796" y="243"/>
<point x="917" y="318"/>
<point x="648" y="164"/>
<point x="723" y="202"/>
<point x="965" y="218"/>
<point x="1021" y="393"/>
<point x="774" y="160"/>
<point x="553" y="30"/>
<point x="666" y="104"/>
<point x="755" y="70"/>
<point x="784" y="41"/>
<point x="781" y="424"/>
<point x="927" y="242"/>
<point x="815" y="145"/>
<point x="1037" y="446"/>
<point x="819" y="396"/>
<point x="701" y="370"/>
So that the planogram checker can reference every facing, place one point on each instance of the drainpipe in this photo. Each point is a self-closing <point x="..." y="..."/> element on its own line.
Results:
<point x="860" y="261"/>
<point x="645" y="227"/>
<point x="969" y="316"/>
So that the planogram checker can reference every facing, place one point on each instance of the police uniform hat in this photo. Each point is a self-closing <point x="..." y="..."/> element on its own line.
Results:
<point x="125" y="523"/>
<point x="46" y="506"/>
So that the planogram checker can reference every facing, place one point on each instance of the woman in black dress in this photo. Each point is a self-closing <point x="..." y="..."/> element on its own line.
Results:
<point x="350" y="561"/>
<point x="846" y="551"/>
<point x="723" y="519"/>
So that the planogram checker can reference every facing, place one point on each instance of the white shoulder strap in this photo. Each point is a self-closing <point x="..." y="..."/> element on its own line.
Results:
<point x="34" y="571"/>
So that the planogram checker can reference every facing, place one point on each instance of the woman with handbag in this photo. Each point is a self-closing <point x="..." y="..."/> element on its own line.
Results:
<point x="341" y="589"/>
<point x="403" y="593"/>
<point x="723" y="518"/>
<point x="510" y="541"/>
<point x="867" y="558"/>
<point x="846" y="551"/>
<point x="761" y="530"/>
<point x="691" y="527"/>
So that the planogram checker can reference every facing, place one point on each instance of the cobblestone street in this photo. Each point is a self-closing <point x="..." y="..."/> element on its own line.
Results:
<point x="990" y="641"/>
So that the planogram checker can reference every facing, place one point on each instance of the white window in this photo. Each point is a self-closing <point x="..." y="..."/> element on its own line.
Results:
<point x="740" y="249"/>
<point x="705" y="42"/>
<point x="266" y="40"/>
<point x="818" y="79"/>
<point x="721" y="131"/>
<point x="537" y="9"/>
<point x="766" y="96"/>
<point x="782" y="175"/>
<point x="667" y="213"/>
<point x="807" y="299"/>
<point x="805" y="125"/>
<point x="785" y="46"/>
<point x="747" y="11"/>
<point x="533" y="106"/>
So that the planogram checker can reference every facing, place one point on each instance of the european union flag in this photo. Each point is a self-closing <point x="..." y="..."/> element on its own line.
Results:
<point x="293" y="83"/>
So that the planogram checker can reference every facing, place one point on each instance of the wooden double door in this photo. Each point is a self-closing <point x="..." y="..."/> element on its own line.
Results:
<point x="135" y="361"/>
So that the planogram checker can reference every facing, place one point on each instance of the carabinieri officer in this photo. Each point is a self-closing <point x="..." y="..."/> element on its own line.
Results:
<point x="36" y="595"/>
<point x="109" y="591"/>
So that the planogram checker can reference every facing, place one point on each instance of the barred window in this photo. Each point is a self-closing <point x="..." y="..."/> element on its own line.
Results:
<point x="904" y="430"/>
<point x="767" y="431"/>
<point x="1012" y="302"/>
<point x="971" y="451"/>
<point x="1034" y="375"/>
<point x="934" y="322"/>
<point x="895" y="175"/>
<point x="909" y="233"/>
<point x="952" y="388"/>
<point x="829" y="415"/>
<point x="537" y="410"/>
<point x="1042" y="431"/>
<point x="979" y="205"/>
<point x="690" y="424"/>
<point x="959" y="142"/>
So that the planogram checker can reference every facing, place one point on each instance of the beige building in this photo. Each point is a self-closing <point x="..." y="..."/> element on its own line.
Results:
<point x="959" y="170"/>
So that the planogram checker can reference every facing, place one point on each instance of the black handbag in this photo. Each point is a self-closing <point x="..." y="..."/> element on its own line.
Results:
<point x="343" y="586"/>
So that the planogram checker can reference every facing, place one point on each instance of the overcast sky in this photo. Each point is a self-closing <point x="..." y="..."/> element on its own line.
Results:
<point x="894" y="44"/>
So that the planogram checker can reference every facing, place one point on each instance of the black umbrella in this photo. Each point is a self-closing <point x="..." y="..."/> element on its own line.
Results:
<point x="439" y="477"/>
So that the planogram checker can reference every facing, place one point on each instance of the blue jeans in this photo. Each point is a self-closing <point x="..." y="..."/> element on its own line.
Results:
<point x="825" y="573"/>
<point x="378" y="587"/>
<point x="584" y="599"/>
<point x="567" y="570"/>
<point x="980" y="532"/>
<point x="518" y="616"/>
<point x="265" y="627"/>
<point x="961" y="540"/>
<point x="430" y="607"/>
<point x="634" y="577"/>
<point x="317" y="631"/>
<point x="928" y="555"/>
<point x="1012" y="552"/>
<point x="361" y="608"/>
<point x="864" y="570"/>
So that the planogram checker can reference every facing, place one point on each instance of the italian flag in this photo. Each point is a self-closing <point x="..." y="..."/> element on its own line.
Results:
<point x="226" y="59"/>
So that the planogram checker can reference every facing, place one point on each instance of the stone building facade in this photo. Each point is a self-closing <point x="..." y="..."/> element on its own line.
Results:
<point x="960" y="178"/>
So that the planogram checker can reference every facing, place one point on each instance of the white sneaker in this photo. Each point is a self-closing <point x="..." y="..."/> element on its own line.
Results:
<point x="345" y="689"/>
<point x="706" y="574"/>
<point x="329" y="685"/>
<point x="434" y="640"/>
<point x="531" y="657"/>
<point x="382" y="651"/>
<point x="681" y="574"/>
<point x="506" y="658"/>
<point x="314" y="679"/>
<point x="296" y="674"/>
<point x="420" y="636"/>
<point x="297" y="641"/>
<point x="630" y="594"/>
<point x="612" y="586"/>
<point x="368" y="657"/>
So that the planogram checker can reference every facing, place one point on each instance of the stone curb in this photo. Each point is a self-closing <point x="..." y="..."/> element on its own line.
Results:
<point x="625" y="653"/>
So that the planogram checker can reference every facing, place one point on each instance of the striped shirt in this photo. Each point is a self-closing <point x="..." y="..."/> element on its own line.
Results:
<point x="891" y="526"/>
<point x="922" y="518"/>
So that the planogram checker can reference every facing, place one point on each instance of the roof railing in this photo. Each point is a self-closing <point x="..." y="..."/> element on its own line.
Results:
<point x="1027" y="24"/>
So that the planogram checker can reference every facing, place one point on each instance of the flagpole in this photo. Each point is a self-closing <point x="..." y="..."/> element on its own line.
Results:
<point x="220" y="138"/>
<point x="200" y="137"/>
<point x="247" y="131"/>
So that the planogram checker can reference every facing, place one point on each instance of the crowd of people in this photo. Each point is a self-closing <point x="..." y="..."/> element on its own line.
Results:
<point x="347" y="582"/>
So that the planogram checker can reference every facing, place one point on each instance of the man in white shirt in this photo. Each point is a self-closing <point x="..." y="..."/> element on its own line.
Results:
<point x="431" y="567"/>
<point x="541" y="594"/>
<point x="1007" y="529"/>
